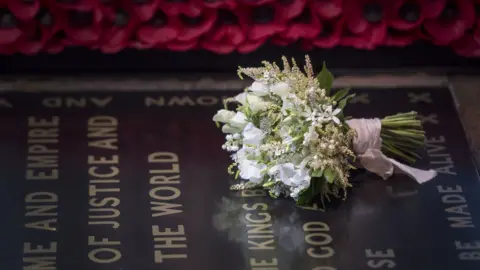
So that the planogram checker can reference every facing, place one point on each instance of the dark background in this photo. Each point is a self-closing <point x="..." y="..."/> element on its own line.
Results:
<point x="420" y="57"/>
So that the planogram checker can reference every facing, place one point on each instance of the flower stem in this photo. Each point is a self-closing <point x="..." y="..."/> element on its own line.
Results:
<point x="402" y="135"/>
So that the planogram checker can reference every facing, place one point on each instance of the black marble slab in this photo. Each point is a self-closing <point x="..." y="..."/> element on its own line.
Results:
<point x="138" y="181"/>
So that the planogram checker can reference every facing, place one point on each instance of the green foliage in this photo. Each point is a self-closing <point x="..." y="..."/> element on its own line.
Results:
<point x="325" y="79"/>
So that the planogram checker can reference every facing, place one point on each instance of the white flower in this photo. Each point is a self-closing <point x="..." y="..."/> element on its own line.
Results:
<point x="252" y="135"/>
<point x="259" y="88"/>
<point x="238" y="121"/>
<point x="255" y="103"/>
<point x="235" y="124"/>
<point x="283" y="172"/>
<point x="244" y="152"/>
<point x="229" y="129"/>
<point x="329" y="115"/>
<point x="223" y="116"/>
<point x="291" y="175"/>
<point x="281" y="89"/>
<point x="252" y="170"/>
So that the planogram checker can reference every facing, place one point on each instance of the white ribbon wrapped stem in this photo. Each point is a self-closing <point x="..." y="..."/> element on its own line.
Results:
<point x="367" y="146"/>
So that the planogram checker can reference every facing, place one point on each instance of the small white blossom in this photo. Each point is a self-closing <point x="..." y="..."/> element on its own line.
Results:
<point x="329" y="115"/>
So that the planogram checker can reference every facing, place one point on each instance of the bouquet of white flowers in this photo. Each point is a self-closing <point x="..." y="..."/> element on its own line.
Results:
<point x="289" y="135"/>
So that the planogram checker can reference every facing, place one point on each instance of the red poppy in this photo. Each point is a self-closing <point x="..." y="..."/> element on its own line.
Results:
<point x="356" y="41"/>
<point x="455" y="19"/>
<point x="119" y="26"/>
<point x="476" y="32"/>
<point x="190" y="8"/>
<point x="262" y="22"/>
<point x="144" y="9"/>
<point x="24" y="9"/>
<point x="182" y="46"/>
<point x="80" y="5"/>
<point x="140" y="45"/>
<point x="250" y="45"/>
<point x="159" y="29"/>
<point x="8" y="49"/>
<point x="218" y="4"/>
<point x="408" y="14"/>
<point x="32" y="40"/>
<point x="10" y="27"/>
<point x="280" y="41"/>
<point x="56" y="44"/>
<point x="330" y="36"/>
<point x="81" y="27"/>
<point x="467" y="46"/>
<point x="328" y="9"/>
<point x="307" y="25"/>
<point x="366" y="24"/>
<point x="398" y="38"/>
<point x="225" y="35"/>
<point x="194" y="27"/>
<point x="38" y="32"/>
<point x="47" y="21"/>
<point x="254" y="2"/>
<point x="290" y="9"/>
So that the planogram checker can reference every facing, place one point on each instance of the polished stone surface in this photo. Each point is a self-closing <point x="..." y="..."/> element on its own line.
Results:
<point x="157" y="164"/>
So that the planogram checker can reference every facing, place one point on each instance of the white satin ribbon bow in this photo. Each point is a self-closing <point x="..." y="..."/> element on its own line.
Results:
<point x="367" y="145"/>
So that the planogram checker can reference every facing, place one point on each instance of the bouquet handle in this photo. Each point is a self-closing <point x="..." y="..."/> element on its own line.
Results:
<point x="367" y="144"/>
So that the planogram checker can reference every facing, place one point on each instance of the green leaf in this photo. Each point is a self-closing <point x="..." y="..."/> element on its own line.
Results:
<point x="329" y="175"/>
<point x="325" y="79"/>
<point x="268" y="184"/>
<point x="340" y="94"/>
<point x="317" y="173"/>
<point x="306" y="196"/>
<point x="344" y="101"/>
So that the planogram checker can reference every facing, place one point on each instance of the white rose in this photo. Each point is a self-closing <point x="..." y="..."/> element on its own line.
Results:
<point x="252" y="135"/>
<point x="259" y="88"/>
<point x="223" y="116"/>
<point x="281" y="89"/>
<point x="252" y="170"/>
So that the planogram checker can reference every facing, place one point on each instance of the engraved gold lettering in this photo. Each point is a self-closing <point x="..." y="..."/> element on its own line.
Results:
<point x="260" y="234"/>
<point x="456" y="206"/>
<point x="182" y="101"/>
<point x="468" y="251"/>
<point x="380" y="259"/>
<point x="38" y="205"/>
<point x="169" y="243"/>
<point x="42" y="156"/>
<point x="440" y="160"/>
<point x="316" y="235"/>
<point x="103" y="185"/>
<point x="75" y="102"/>
<point x="38" y="257"/>
<point x="105" y="247"/>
